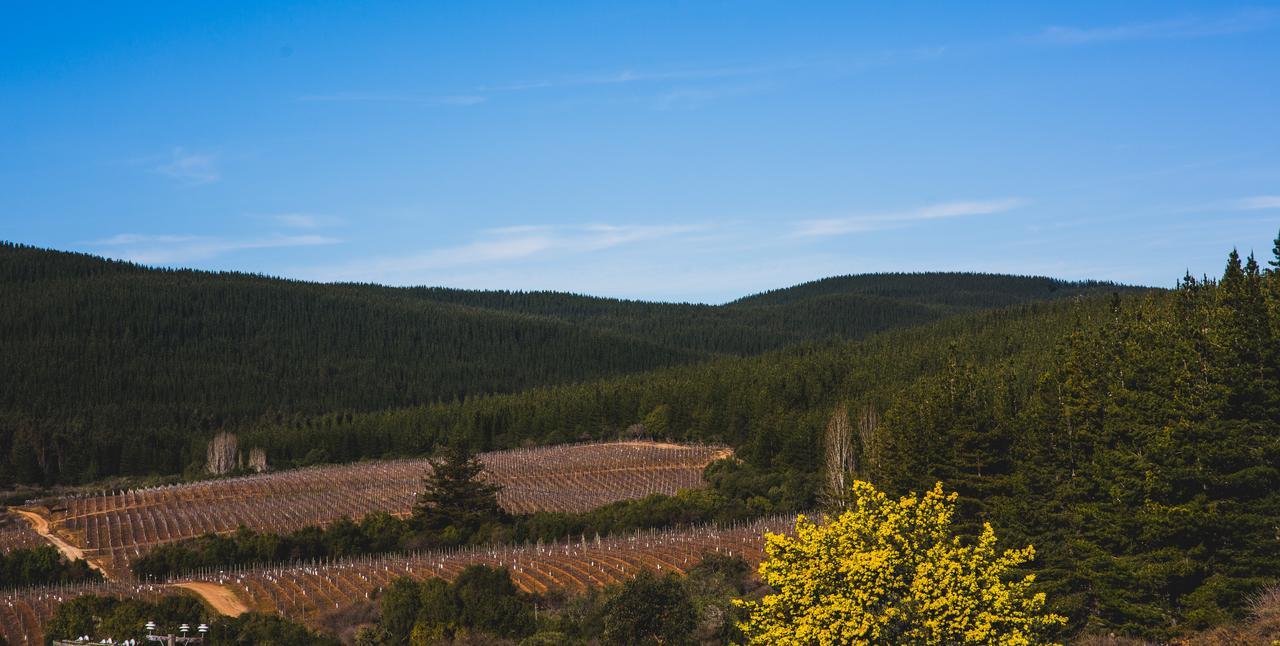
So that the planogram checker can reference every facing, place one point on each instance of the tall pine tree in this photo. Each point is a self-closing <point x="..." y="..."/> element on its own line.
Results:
<point x="456" y="501"/>
<point x="1275" y="260"/>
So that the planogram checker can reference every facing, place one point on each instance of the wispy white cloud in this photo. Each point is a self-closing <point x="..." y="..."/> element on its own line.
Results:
<point x="482" y="93"/>
<point x="175" y="249"/>
<point x="137" y="238"/>
<point x="878" y="221"/>
<point x="303" y="220"/>
<point x="519" y="229"/>
<point x="499" y="246"/>
<point x="1258" y="202"/>
<point x="688" y="98"/>
<point x="459" y="100"/>
<point x="631" y="76"/>
<point x="699" y="87"/>
<point x="1190" y="27"/>
<point x="189" y="168"/>
<point x="596" y="237"/>
<point x="672" y="87"/>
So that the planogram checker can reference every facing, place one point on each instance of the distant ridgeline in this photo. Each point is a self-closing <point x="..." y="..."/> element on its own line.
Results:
<point x="1133" y="439"/>
<point x="113" y="368"/>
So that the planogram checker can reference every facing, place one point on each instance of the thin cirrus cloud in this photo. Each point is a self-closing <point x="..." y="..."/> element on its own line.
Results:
<point x="1191" y="27"/>
<point x="631" y="76"/>
<point x="177" y="249"/>
<point x="190" y="168"/>
<point x="695" y="97"/>
<point x="302" y="220"/>
<point x="1258" y="202"/>
<point x="457" y="100"/>
<point x="481" y="94"/>
<point x="899" y="219"/>
<point x="514" y="244"/>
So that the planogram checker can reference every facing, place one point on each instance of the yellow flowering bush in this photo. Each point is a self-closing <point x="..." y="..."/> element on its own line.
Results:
<point x="887" y="572"/>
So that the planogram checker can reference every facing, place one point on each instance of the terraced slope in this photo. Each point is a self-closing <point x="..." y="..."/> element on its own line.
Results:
<point x="16" y="534"/>
<point x="114" y="529"/>
<point x="307" y="592"/>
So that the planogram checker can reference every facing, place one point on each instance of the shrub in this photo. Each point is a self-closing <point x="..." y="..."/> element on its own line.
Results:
<point x="888" y="572"/>
<point x="650" y="610"/>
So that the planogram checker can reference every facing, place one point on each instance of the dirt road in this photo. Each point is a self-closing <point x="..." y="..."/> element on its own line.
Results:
<point x="219" y="597"/>
<point x="41" y="525"/>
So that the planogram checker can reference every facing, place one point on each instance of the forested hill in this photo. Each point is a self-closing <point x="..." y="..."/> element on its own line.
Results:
<point x="946" y="291"/>
<point x="1134" y="440"/>
<point x="116" y="353"/>
<point x="845" y="307"/>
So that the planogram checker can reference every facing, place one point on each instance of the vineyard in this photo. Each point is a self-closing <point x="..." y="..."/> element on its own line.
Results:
<point x="306" y="592"/>
<point x="16" y="534"/>
<point x="23" y="612"/>
<point x="114" y="529"/>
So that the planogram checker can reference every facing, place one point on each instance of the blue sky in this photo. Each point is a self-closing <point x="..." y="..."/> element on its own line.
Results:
<point x="661" y="150"/>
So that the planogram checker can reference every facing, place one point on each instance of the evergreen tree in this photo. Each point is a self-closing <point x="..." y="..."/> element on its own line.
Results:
<point x="1275" y="256"/>
<point x="23" y="457"/>
<point x="456" y="501"/>
<point x="944" y="428"/>
<point x="93" y="347"/>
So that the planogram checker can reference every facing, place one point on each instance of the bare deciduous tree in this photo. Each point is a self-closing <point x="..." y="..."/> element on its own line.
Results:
<point x="258" y="460"/>
<point x="840" y="457"/>
<point x="222" y="453"/>
<point x="849" y="455"/>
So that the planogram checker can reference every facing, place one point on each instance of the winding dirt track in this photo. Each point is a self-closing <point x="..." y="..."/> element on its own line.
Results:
<point x="218" y="597"/>
<point x="41" y="526"/>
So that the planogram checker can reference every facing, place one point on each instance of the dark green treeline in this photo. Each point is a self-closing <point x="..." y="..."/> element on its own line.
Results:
<point x="111" y="368"/>
<point x="1144" y="465"/>
<point x="1134" y="440"/>
<point x="771" y="408"/>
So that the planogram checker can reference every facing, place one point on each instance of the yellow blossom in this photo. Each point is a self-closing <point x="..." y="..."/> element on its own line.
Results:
<point x="891" y="572"/>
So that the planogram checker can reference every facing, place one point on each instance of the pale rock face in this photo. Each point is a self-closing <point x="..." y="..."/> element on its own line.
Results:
<point x="222" y="454"/>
